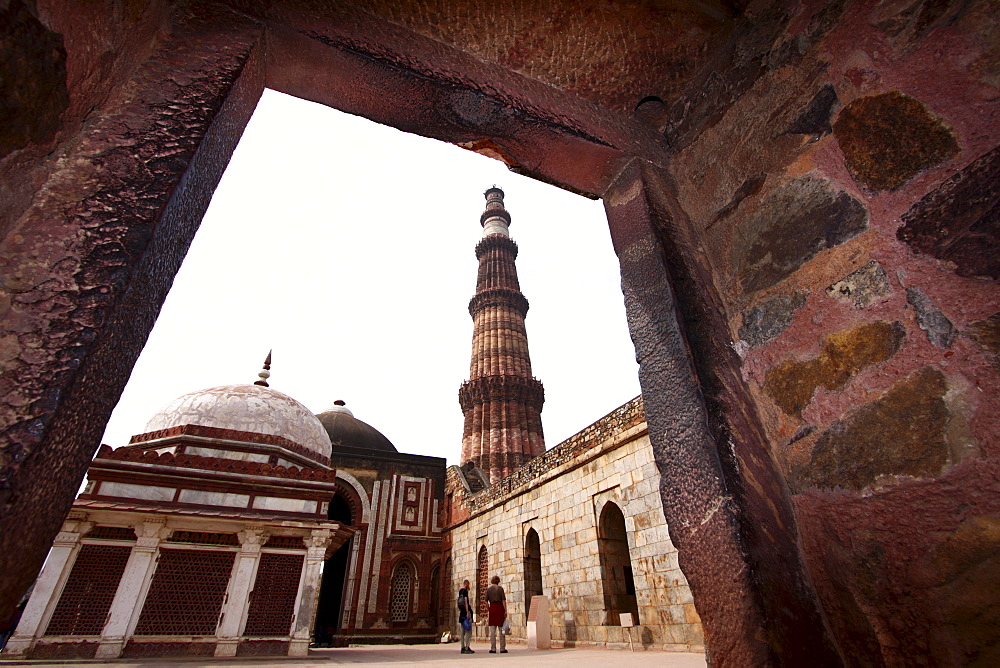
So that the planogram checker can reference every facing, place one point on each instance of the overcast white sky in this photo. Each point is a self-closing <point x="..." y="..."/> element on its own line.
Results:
<point x="348" y="248"/>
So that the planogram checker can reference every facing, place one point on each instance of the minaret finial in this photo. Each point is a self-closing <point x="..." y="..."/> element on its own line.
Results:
<point x="265" y="373"/>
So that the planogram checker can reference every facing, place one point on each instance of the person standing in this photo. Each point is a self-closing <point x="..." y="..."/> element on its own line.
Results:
<point x="497" y="600"/>
<point x="465" y="617"/>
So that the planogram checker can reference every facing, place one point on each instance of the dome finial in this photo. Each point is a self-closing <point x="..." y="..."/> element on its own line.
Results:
<point x="265" y="373"/>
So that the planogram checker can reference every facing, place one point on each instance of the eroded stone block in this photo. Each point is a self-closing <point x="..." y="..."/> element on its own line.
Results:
<point x="900" y="434"/>
<point x="960" y="220"/>
<point x="863" y="287"/>
<point x="766" y="321"/>
<point x="888" y="138"/>
<point x="845" y="353"/>
<point x="939" y="329"/>
<point x="793" y="224"/>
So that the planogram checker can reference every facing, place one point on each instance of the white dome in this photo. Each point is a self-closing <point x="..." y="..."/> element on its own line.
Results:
<point x="251" y="408"/>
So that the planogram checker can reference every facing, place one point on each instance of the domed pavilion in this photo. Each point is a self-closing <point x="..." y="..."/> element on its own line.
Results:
<point x="232" y="526"/>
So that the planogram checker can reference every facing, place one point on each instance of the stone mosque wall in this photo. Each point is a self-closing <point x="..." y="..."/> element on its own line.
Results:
<point x="561" y="496"/>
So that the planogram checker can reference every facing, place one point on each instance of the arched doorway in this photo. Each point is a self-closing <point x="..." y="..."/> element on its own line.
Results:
<point x="532" y="568"/>
<point x="331" y="593"/>
<point x="616" y="566"/>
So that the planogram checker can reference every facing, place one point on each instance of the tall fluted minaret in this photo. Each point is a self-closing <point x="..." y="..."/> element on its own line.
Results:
<point x="501" y="401"/>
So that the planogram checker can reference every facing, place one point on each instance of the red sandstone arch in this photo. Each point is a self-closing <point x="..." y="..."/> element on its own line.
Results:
<point x="112" y="181"/>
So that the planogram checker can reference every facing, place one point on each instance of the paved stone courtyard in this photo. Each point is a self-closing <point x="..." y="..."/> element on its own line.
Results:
<point x="424" y="655"/>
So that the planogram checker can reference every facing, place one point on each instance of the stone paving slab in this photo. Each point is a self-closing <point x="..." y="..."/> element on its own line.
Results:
<point x="423" y="655"/>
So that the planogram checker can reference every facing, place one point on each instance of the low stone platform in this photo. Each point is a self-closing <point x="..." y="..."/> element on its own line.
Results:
<point x="425" y="655"/>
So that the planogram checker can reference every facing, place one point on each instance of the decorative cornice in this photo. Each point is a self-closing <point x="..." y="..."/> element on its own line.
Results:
<point x="495" y="241"/>
<point x="501" y="388"/>
<point x="230" y="435"/>
<point x="498" y="297"/>
<point x="215" y="464"/>
<point x="494" y="213"/>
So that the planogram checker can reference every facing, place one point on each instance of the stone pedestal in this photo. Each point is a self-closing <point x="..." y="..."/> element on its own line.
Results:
<point x="539" y="628"/>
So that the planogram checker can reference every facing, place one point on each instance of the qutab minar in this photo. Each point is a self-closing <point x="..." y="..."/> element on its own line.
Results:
<point x="501" y="401"/>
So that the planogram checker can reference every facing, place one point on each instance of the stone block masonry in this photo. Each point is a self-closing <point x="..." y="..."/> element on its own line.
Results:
<point x="561" y="495"/>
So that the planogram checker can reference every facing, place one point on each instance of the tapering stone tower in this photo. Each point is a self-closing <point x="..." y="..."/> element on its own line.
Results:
<point x="501" y="401"/>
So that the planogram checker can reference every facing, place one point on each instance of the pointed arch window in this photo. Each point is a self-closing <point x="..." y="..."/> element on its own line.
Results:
<point x="532" y="568"/>
<point x="616" y="566"/>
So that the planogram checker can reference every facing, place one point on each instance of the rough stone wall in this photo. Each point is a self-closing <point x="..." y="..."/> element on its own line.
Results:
<point x="847" y="201"/>
<point x="562" y="502"/>
<point x="90" y="252"/>
<point x="616" y="422"/>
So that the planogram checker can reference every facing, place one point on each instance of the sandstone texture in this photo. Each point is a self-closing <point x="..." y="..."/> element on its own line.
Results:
<point x="888" y="138"/>
<point x="843" y="355"/>
<point x="863" y="287"/>
<point x="939" y="329"/>
<point x="766" y="321"/>
<point x="900" y="434"/>
<point x="793" y="224"/>
<point x="959" y="221"/>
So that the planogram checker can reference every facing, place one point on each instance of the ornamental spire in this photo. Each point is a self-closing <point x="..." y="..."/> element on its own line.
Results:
<point x="265" y="373"/>
<point x="501" y="401"/>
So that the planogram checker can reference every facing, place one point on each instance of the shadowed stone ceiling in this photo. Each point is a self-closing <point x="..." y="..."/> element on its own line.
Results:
<point x="613" y="53"/>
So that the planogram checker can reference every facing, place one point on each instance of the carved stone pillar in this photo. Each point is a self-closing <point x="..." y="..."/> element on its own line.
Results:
<point x="49" y="585"/>
<point x="131" y="594"/>
<point x="234" y="611"/>
<point x="305" y="614"/>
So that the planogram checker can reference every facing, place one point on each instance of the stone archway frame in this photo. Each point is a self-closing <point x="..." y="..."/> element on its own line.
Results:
<point x="134" y="182"/>
<point x="362" y="495"/>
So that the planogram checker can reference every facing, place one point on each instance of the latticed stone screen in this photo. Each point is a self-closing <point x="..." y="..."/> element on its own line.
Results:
<point x="482" y="580"/>
<point x="402" y="587"/>
<point x="186" y="593"/>
<point x="272" y="602"/>
<point x="89" y="591"/>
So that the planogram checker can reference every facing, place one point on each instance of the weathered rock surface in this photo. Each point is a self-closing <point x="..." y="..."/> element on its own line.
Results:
<point x="939" y="329"/>
<point x="900" y="434"/>
<point x="33" y="72"/>
<point x="959" y="221"/>
<point x="863" y="287"/>
<point x="888" y="138"/>
<point x="845" y="353"/>
<point x="766" y="321"/>
<point x="792" y="225"/>
<point x="815" y="118"/>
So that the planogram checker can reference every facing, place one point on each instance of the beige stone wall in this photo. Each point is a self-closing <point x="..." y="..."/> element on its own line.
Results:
<point x="563" y="505"/>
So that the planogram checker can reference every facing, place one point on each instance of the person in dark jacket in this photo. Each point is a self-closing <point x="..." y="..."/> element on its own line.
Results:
<point x="465" y="617"/>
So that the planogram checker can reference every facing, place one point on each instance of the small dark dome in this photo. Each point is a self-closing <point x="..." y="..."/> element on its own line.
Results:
<point x="345" y="429"/>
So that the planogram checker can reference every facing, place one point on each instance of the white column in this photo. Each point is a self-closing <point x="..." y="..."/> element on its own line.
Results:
<point x="132" y="589"/>
<point x="234" y="610"/>
<point x="308" y="597"/>
<point x="49" y="585"/>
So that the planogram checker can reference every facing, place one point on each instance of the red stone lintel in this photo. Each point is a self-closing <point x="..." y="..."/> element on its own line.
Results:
<point x="230" y="435"/>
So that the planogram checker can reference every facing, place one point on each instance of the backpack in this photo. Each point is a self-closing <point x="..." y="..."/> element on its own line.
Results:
<point x="463" y="603"/>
